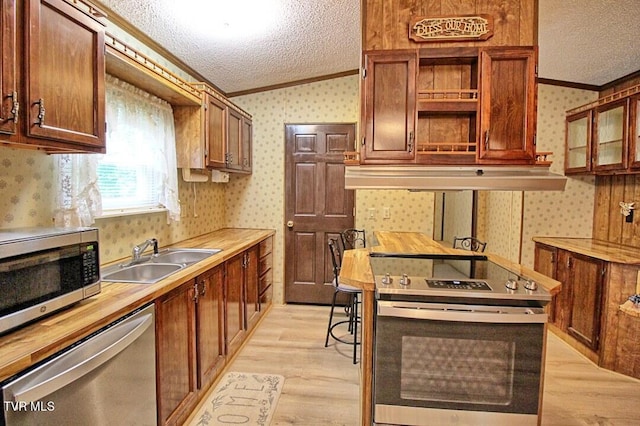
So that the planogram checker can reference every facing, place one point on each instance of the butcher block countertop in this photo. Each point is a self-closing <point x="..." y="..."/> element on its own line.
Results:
<point x="603" y="250"/>
<point x="22" y="348"/>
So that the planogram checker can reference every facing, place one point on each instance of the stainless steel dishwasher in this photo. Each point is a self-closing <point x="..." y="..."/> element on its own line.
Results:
<point x="107" y="378"/>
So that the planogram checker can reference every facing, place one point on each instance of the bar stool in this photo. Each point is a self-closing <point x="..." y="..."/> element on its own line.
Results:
<point x="353" y="295"/>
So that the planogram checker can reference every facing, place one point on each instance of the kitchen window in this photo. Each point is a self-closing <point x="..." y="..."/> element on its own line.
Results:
<point x="135" y="172"/>
<point x="138" y="174"/>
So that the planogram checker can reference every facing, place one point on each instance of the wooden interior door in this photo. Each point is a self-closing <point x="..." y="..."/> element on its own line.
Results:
<point x="317" y="207"/>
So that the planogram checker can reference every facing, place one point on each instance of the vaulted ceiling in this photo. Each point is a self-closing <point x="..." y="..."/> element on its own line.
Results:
<point x="239" y="47"/>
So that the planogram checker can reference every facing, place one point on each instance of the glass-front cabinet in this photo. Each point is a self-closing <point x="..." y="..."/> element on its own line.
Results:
<point x="634" y="137"/>
<point x="578" y="142"/>
<point x="610" y="136"/>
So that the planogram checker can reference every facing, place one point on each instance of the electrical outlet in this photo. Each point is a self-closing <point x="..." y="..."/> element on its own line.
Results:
<point x="371" y="213"/>
<point x="386" y="212"/>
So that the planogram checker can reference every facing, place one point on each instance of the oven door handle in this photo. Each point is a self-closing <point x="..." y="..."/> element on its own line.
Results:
<point x="462" y="313"/>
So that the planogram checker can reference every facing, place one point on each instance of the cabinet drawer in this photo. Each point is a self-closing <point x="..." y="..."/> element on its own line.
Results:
<point x="266" y="297"/>
<point x="266" y="246"/>
<point x="265" y="280"/>
<point x="265" y="264"/>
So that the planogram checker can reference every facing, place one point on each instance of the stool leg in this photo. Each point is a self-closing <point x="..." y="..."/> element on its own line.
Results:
<point x="333" y="305"/>
<point x="355" y="326"/>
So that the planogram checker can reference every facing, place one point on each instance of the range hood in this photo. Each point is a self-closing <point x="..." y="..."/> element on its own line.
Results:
<point x="454" y="178"/>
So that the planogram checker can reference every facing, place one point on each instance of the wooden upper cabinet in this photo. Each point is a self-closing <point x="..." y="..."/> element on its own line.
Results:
<point x="578" y="142"/>
<point x="234" y="140"/>
<point x="9" y="109"/>
<point x="634" y="132"/>
<point x="389" y="112"/>
<point x="216" y="131"/>
<point x="247" y="144"/>
<point x="610" y="143"/>
<point x="508" y="99"/>
<point x="64" y="77"/>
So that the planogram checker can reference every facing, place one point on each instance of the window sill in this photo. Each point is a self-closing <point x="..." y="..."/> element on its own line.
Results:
<point x="129" y="212"/>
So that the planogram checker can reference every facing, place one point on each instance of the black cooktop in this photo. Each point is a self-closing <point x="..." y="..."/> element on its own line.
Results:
<point x="466" y="279"/>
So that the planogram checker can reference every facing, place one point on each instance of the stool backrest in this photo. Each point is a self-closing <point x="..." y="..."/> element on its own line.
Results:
<point x="353" y="238"/>
<point x="336" y="257"/>
<point x="469" y="243"/>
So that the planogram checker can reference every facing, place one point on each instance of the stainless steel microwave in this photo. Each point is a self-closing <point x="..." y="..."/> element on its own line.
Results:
<point x="43" y="270"/>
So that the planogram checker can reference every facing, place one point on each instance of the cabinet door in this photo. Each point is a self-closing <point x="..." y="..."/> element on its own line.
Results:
<point x="389" y="107"/>
<point x="251" y="286"/>
<point x="234" y="303"/>
<point x="585" y="281"/>
<point x="9" y="109"/>
<point x="508" y="105"/>
<point x="247" y="144"/>
<point x="210" y="325"/>
<point x="216" y="131"/>
<point x="234" y="140"/>
<point x="634" y="134"/>
<point x="176" y="348"/>
<point x="610" y="133"/>
<point x="578" y="142"/>
<point x="64" y="58"/>
<point x="545" y="263"/>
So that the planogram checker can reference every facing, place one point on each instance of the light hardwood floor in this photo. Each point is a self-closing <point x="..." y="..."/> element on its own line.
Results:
<point x="321" y="384"/>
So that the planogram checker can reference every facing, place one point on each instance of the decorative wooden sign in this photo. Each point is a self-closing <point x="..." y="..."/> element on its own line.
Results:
<point x="451" y="28"/>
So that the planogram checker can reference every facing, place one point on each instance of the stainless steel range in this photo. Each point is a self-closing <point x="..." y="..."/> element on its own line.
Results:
<point x="458" y="340"/>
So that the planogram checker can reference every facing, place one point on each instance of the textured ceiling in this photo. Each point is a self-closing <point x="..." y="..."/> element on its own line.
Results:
<point x="589" y="41"/>
<point x="582" y="41"/>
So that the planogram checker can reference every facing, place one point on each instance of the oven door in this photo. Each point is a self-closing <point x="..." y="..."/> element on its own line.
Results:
<point x="457" y="364"/>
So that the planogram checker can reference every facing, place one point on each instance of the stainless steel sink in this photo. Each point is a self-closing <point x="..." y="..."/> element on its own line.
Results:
<point x="186" y="256"/>
<point x="143" y="273"/>
<point x="151" y="269"/>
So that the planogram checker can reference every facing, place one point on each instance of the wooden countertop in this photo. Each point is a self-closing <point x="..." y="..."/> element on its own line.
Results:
<point x="28" y="345"/>
<point x="356" y="270"/>
<point x="598" y="249"/>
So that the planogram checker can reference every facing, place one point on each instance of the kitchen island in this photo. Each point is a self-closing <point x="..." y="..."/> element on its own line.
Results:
<point x="356" y="271"/>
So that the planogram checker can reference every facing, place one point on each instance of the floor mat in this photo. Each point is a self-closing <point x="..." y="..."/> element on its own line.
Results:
<point x="241" y="398"/>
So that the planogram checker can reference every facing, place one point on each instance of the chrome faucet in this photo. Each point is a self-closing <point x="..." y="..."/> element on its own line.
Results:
<point x="140" y="248"/>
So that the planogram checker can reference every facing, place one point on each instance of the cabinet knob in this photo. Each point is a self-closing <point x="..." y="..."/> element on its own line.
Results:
<point x="290" y="224"/>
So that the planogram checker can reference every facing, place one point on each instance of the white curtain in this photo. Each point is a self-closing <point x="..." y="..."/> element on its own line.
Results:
<point x="77" y="197"/>
<point x="140" y="129"/>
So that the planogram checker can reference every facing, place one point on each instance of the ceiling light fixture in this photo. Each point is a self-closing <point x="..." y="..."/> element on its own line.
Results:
<point x="226" y="19"/>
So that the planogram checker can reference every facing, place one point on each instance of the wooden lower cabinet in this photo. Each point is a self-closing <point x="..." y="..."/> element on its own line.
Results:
<point x="190" y="343"/>
<point x="175" y="354"/>
<point x="234" y="303"/>
<point x="265" y="272"/>
<point x="578" y="308"/>
<point x="199" y="326"/>
<point x="251" y="287"/>
<point x="210" y="326"/>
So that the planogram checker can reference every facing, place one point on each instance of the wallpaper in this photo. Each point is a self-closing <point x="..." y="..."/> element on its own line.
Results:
<point x="257" y="200"/>
<point x="568" y="213"/>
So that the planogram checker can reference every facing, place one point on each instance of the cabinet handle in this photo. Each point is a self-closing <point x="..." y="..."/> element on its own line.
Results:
<point x="486" y="140"/>
<point x="15" y="106"/>
<point x="410" y="142"/>
<point x="41" y="111"/>
<point x="568" y="263"/>
<point x="195" y="292"/>
<point x="203" y="291"/>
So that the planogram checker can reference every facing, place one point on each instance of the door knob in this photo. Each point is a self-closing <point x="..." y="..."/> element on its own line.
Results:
<point x="290" y="224"/>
